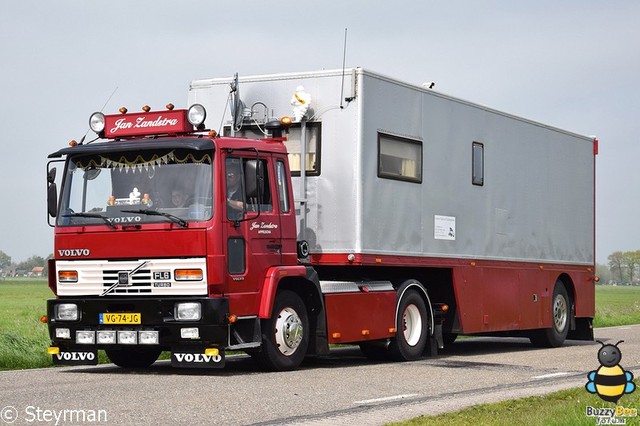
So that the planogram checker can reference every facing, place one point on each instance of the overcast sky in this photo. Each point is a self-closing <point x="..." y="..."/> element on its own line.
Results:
<point x="570" y="64"/>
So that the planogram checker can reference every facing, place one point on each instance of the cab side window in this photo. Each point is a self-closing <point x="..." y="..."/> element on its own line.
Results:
<point x="248" y="187"/>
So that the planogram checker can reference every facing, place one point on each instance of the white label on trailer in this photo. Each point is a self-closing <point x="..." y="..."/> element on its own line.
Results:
<point x="444" y="227"/>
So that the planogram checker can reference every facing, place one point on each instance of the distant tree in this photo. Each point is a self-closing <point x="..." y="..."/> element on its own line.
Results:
<point x="604" y="273"/>
<point x="616" y="265"/>
<point x="31" y="262"/>
<point x="5" y="259"/>
<point x="631" y="261"/>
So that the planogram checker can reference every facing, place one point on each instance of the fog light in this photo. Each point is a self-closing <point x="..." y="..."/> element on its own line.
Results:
<point x="127" y="337"/>
<point x="106" y="337"/>
<point x="189" y="311"/>
<point x="190" y="333"/>
<point x="85" y="337"/>
<point x="66" y="312"/>
<point x="63" y="333"/>
<point x="148" y="337"/>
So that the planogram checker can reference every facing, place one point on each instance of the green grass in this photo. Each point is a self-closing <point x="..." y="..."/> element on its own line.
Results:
<point x="23" y="338"/>
<point x="567" y="407"/>
<point x="617" y="306"/>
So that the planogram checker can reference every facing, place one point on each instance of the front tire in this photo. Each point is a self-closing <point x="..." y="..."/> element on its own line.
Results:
<point x="412" y="328"/>
<point x="561" y="308"/>
<point x="285" y="336"/>
<point x="133" y="357"/>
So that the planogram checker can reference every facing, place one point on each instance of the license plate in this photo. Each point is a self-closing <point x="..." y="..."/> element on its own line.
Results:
<point x="120" y="318"/>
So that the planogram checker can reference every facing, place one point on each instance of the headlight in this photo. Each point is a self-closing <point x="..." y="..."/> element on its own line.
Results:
<point x="190" y="311"/>
<point x="66" y="312"/>
<point x="96" y="122"/>
<point x="196" y="114"/>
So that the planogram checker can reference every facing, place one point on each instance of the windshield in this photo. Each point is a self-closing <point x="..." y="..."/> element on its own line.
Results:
<point x="173" y="185"/>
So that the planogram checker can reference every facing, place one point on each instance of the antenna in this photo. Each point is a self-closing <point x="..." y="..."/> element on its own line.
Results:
<point x="101" y="110"/>
<point x="108" y="99"/>
<point x="344" y="58"/>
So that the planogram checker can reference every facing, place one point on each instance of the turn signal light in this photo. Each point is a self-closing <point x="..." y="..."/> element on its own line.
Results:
<point x="44" y="319"/>
<point x="68" y="276"/>
<point x="188" y="275"/>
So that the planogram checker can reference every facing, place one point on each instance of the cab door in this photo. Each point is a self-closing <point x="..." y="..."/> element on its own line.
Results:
<point x="252" y="227"/>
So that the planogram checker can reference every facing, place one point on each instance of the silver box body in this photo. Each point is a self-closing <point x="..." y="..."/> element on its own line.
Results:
<point x="536" y="204"/>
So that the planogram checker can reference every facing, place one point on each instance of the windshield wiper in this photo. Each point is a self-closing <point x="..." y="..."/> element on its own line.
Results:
<point x="92" y="215"/>
<point x="169" y="216"/>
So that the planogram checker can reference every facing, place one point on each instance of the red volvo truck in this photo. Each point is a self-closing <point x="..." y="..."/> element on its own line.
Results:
<point x="383" y="214"/>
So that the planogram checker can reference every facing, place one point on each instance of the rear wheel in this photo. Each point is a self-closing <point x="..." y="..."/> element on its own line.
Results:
<point x="412" y="328"/>
<point x="285" y="336"/>
<point x="561" y="309"/>
<point x="133" y="357"/>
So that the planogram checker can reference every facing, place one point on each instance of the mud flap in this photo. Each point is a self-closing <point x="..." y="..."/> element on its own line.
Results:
<point x="196" y="358"/>
<point x="75" y="357"/>
<point x="435" y="342"/>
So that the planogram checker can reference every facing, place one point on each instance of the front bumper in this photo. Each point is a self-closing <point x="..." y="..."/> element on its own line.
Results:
<point x="156" y="315"/>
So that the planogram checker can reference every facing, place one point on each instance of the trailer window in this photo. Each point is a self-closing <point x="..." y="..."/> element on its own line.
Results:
<point x="313" y="132"/>
<point x="477" y="164"/>
<point x="399" y="158"/>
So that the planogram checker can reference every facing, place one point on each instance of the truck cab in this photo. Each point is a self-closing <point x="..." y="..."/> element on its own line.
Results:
<point x="164" y="234"/>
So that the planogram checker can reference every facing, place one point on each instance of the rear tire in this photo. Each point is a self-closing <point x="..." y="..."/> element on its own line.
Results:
<point x="285" y="336"/>
<point x="133" y="357"/>
<point x="561" y="308"/>
<point x="412" y="328"/>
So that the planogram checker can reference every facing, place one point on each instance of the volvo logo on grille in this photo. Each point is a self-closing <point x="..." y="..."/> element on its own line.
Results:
<point x="123" y="278"/>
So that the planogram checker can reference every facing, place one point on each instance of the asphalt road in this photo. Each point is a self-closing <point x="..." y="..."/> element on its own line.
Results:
<point x="344" y="388"/>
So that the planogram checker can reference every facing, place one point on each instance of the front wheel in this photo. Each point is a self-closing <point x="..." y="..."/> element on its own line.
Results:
<point x="133" y="357"/>
<point x="285" y="336"/>
<point x="560" y="318"/>
<point x="412" y="328"/>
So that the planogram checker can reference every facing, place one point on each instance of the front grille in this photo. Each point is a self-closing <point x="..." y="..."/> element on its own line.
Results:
<point x="140" y="282"/>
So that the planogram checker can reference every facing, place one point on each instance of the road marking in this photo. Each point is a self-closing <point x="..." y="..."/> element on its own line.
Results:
<point x="547" y="376"/>
<point x="386" y="398"/>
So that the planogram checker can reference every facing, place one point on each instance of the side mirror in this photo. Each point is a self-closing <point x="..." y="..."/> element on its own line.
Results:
<point x="51" y="175"/>
<point x="52" y="193"/>
<point x="52" y="199"/>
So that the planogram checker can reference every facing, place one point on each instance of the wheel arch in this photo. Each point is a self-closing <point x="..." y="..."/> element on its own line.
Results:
<point x="413" y="284"/>
<point x="305" y="283"/>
